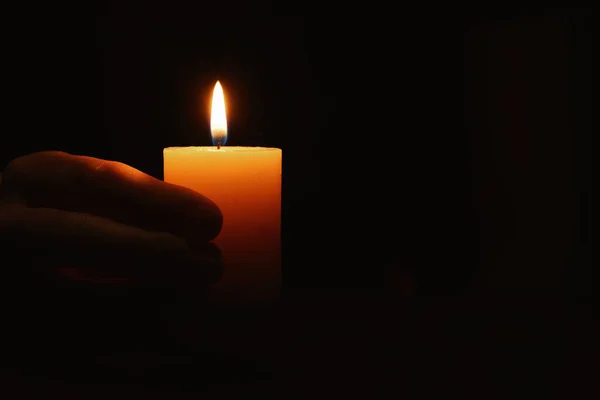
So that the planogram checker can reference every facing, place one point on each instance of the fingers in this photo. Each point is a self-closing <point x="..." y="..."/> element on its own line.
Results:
<point x="50" y="238"/>
<point x="112" y="190"/>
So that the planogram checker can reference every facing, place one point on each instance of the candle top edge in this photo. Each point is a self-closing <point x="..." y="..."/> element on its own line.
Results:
<point x="225" y="149"/>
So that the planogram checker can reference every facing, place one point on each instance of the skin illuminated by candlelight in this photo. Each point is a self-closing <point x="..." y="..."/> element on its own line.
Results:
<point x="103" y="221"/>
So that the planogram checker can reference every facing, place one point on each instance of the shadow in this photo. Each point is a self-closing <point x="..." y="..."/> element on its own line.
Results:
<point x="90" y="265"/>
<point x="202" y="267"/>
<point x="56" y="311"/>
<point x="163" y="334"/>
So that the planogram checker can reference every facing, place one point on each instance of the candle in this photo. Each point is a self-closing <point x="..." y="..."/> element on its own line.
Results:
<point x="245" y="182"/>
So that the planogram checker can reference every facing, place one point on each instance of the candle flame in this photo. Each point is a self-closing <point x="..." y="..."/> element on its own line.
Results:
<point x="218" y="118"/>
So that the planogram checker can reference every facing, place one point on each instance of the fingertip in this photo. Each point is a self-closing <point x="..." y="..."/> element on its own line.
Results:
<point x="197" y="218"/>
<point x="210" y="249"/>
<point x="215" y="223"/>
<point x="210" y="265"/>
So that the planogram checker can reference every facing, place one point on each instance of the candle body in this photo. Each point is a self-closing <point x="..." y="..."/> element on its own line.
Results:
<point x="245" y="182"/>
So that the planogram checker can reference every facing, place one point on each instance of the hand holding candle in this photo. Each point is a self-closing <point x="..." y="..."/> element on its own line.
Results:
<point x="104" y="219"/>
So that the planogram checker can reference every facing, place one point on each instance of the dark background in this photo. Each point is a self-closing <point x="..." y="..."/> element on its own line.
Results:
<point x="450" y="148"/>
<point x="454" y="145"/>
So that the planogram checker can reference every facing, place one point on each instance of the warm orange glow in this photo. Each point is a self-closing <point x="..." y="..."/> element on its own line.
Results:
<point x="218" y="118"/>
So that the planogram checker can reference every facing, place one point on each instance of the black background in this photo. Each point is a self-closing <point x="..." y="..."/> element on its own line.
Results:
<point x="452" y="145"/>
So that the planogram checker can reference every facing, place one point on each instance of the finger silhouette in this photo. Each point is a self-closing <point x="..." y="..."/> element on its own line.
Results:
<point x="49" y="238"/>
<point x="110" y="189"/>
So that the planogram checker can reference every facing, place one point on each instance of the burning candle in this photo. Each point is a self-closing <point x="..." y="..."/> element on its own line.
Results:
<point x="245" y="182"/>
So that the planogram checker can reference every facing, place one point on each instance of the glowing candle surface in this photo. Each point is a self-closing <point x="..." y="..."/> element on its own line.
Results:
<point x="245" y="182"/>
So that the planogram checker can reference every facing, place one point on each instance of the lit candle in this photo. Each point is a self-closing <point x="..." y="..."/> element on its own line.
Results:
<point x="245" y="182"/>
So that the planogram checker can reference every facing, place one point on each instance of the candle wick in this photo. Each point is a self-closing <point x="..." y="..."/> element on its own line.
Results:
<point x="218" y="144"/>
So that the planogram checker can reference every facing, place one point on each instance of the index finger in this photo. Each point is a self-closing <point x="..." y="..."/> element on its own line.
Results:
<point x="111" y="190"/>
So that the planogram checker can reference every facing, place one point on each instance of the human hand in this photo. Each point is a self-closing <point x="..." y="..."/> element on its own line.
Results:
<point x="103" y="220"/>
